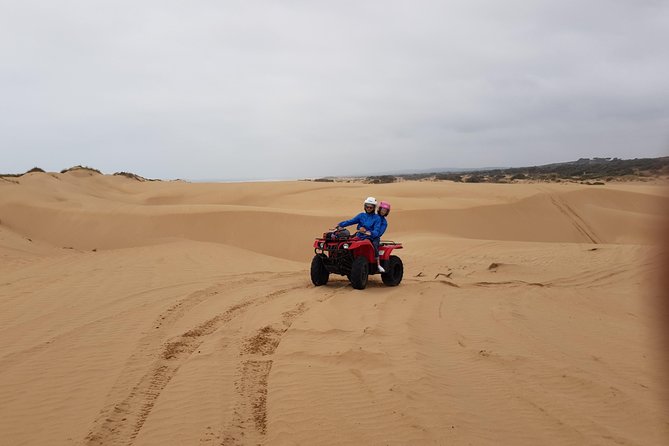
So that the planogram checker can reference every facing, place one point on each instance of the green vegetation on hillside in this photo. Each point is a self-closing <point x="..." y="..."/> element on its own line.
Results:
<point x="586" y="170"/>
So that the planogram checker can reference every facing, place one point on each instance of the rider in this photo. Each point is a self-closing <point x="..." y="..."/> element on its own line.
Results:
<point x="368" y="226"/>
<point x="384" y="210"/>
<point x="367" y="221"/>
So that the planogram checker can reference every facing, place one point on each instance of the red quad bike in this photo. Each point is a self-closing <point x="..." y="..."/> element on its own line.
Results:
<point x="339" y="253"/>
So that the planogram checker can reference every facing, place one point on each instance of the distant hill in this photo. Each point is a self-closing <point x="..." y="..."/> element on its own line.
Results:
<point x="585" y="170"/>
<point x="78" y="168"/>
<point x="432" y="171"/>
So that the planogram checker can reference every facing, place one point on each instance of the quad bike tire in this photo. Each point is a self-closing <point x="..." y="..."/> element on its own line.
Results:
<point x="394" y="271"/>
<point x="319" y="274"/>
<point x="359" y="273"/>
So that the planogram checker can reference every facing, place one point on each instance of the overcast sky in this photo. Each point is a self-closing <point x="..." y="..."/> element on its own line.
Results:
<point x="281" y="89"/>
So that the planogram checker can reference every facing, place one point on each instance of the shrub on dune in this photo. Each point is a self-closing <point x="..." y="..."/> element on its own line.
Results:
<point x="79" y="167"/>
<point x="133" y="176"/>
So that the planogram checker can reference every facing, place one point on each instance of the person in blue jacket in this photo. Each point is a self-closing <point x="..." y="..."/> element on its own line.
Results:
<point x="368" y="226"/>
<point x="366" y="221"/>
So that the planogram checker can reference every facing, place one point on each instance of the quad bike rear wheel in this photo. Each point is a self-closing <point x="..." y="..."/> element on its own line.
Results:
<point x="359" y="273"/>
<point x="319" y="274"/>
<point x="394" y="271"/>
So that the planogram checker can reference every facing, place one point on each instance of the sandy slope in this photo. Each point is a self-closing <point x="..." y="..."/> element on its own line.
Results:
<point x="174" y="313"/>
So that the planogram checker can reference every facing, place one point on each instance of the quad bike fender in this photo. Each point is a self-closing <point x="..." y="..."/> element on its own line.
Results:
<point x="359" y="244"/>
<point x="363" y="248"/>
<point x="386" y="251"/>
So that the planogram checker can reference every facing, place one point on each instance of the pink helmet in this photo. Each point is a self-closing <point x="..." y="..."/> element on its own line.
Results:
<point x="384" y="205"/>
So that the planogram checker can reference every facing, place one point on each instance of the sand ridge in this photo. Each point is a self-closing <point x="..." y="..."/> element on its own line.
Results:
<point x="175" y="313"/>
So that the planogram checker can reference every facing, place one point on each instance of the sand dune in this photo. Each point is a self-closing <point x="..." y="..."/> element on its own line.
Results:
<point x="154" y="313"/>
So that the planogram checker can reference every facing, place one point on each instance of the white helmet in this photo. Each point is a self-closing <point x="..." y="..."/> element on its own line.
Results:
<point x="371" y="200"/>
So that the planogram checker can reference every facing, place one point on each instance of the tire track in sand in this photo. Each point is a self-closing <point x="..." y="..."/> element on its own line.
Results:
<point x="124" y="420"/>
<point x="249" y="422"/>
<point x="193" y="298"/>
<point x="575" y="219"/>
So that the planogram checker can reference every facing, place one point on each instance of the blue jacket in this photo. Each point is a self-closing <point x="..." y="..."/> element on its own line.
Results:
<point x="370" y="222"/>
<point x="383" y="225"/>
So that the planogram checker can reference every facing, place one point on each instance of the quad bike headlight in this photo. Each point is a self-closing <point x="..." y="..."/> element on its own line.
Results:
<point x="320" y="244"/>
<point x="345" y="246"/>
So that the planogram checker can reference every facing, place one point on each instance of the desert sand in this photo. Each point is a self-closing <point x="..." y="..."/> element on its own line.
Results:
<point x="160" y="313"/>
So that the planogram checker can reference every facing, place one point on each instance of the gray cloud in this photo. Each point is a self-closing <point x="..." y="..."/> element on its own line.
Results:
<point x="277" y="89"/>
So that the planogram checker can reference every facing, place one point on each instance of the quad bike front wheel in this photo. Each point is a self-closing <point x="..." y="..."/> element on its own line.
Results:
<point x="394" y="271"/>
<point x="359" y="273"/>
<point x="319" y="274"/>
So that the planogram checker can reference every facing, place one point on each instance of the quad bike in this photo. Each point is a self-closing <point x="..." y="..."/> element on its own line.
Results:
<point x="340" y="253"/>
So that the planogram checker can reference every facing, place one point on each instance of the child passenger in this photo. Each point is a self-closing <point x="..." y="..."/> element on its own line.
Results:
<point x="384" y="210"/>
